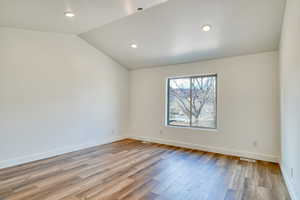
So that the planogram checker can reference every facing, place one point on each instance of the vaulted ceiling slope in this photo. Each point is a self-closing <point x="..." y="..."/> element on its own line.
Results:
<point x="166" y="32"/>
<point x="48" y="15"/>
<point x="170" y="33"/>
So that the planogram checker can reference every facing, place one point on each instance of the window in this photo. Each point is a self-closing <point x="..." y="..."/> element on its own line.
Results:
<point x="192" y="101"/>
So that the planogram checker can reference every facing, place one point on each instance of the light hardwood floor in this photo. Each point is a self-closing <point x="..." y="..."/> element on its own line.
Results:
<point x="132" y="170"/>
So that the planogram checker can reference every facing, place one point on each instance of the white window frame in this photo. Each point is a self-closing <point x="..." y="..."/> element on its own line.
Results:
<point x="190" y="126"/>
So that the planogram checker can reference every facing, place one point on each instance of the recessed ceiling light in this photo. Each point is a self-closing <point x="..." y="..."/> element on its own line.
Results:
<point x="69" y="14"/>
<point x="140" y="9"/>
<point x="206" y="28"/>
<point x="134" y="46"/>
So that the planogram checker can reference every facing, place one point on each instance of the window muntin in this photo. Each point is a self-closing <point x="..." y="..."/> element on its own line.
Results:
<point x="192" y="101"/>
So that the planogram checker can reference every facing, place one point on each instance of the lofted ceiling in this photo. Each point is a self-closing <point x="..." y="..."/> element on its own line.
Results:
<point x="171" y="33"/>
<point x="48" y="15"/>
<point x="166" y="32"/>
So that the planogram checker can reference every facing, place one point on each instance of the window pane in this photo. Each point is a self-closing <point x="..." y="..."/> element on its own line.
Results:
<point x="179" y="102"/>
<point x="204" y="102"/>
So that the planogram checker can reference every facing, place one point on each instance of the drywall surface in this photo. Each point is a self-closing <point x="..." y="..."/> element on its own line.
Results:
<point x="290" y="97"/>
<point x="57" y="94"/>
<point x="248" y="106"/>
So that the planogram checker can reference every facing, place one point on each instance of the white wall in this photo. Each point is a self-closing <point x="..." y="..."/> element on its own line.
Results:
<point x="248" y="106"/>
<point x="290" y="96"/>
<point x="57" y="94"/>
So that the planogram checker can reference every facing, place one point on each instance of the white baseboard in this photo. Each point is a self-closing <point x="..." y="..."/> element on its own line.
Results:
<point x="251" y="155"/>
<point x="289" y="184"/>
<point x="54" y="152"/>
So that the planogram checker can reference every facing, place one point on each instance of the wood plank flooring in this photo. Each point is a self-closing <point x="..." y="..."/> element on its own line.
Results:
<point x="132" y="170"/>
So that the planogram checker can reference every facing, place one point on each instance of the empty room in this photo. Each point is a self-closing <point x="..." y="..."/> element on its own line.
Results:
<point x="149" y="99"/>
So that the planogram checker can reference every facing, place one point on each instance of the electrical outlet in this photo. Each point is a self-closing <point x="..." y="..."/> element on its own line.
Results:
<point x="292" y="173"/>
<point x="113" y="131"/>
<point x="161" y="132"/>
<point x="255" y="143"/>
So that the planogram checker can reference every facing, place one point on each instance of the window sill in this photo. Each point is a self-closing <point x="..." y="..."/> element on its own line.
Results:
<point x="194" y="128"/>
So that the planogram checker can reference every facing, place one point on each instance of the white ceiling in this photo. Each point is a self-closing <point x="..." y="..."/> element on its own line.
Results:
<point x="48" y="15"/>
<point x="169" y="32"/>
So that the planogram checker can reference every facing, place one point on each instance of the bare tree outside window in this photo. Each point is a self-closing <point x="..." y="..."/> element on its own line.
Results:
<point x="192" y="101"/>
